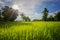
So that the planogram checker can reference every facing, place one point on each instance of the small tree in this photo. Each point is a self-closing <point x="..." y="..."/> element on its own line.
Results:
<point x="50" y="18"/>
<point x="28" y="19"/>
<point x="45" y="14"/>
<point x="25" y="18"/>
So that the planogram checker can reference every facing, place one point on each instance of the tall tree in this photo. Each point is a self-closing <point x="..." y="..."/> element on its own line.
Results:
<point x="57" y="16"/>
<point x="9" y="13"/>
<point x="45" y="14"/>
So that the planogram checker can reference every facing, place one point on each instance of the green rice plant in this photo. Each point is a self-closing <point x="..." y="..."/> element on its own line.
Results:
<point x="30" y="31"/>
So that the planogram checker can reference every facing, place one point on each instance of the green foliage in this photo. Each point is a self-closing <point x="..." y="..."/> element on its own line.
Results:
<point x="45" y="14"/>
<point x="50" y="18"/>
<point x="28" y="19"/>
<point x="9" y="14"/>
<point x="30" y="31"/>
<point x="1" y="18"/>
<point x="57" y="16"/>
<point x="25" y="18"/>
<point x="0" y="15"/>
<point x="36" y="20"/>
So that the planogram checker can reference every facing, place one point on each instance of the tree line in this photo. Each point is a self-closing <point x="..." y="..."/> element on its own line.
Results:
<point x="55" y="17"/>
<point x="45" y="17"/>
<point x="9" y="14"/>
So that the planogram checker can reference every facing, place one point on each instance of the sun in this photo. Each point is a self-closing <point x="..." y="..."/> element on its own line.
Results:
<point x="16" y="7"/>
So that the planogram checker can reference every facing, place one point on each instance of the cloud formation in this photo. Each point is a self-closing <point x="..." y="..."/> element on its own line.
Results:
<point x="1" y="2"/>
<point x="27" y="6"/>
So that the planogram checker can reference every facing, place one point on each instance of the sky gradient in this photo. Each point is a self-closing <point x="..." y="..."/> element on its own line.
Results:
<point x="33" y="8"/>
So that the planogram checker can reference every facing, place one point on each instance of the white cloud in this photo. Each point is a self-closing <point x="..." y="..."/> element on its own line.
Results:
<point x="25" y="6"/>
<point x="8" y="0"/>
<point x="19" y="18"/>
<point x="50" y="0"/>
<point x="1" y="3"/>
<point x="31" y="16"/>
<point x="28" y="7"/>
<point x="34" y="16"/>
<point x="53" y="14"/>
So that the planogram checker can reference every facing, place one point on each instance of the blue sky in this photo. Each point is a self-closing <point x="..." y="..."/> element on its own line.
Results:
<point x="52" y="6"/>
<point x="33" y="8"/>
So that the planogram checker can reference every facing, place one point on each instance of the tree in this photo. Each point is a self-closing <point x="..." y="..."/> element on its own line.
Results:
<point x="1" y="16"/>
<point x="36" y="20"/>
<point x="28" y="19"/>
<point x="25" y="18"/>
<point x="45" y="14"/>
<point x="9" y="14"/>
<point x="57" y="16"/>
<point x="50" y="18"/>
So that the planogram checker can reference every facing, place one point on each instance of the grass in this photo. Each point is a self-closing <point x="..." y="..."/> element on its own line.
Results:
<point x="29" y="30"/>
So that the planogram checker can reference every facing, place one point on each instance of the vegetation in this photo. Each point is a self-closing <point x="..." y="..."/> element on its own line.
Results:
<point x="45" y="14"/>
<point x="0" y="16"/>
<point x="57" y="16"/>
<point x="36" y="20"/>
<point x="25" y="18"/>
<point x="8" y="13"/>
<point x="54" y="18"/>
<point x="30" y="31"/>
<point x="50" y="18"/>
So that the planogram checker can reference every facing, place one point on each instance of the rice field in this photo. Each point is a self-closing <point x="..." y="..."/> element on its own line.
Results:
<point x="29" y="30"/>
